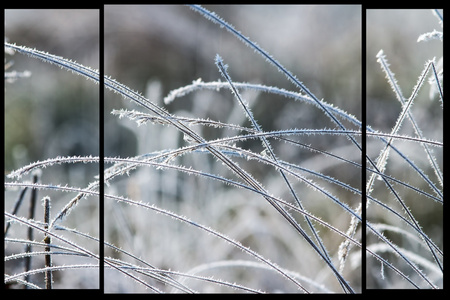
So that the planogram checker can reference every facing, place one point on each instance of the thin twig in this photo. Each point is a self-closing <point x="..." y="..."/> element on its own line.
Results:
<point x="47" y="241"/>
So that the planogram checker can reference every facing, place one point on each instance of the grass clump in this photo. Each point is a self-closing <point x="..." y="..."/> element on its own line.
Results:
<point x="405" y="181"/>
<point x="259" y="205"/>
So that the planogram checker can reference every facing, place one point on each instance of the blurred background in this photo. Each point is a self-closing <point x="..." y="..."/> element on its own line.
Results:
<point x="396" y="32"/>
<point x="174" y="45"/>
<point x="53" y="113"/>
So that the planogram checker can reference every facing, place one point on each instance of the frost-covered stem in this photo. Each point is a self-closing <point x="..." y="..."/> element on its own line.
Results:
<point x="31" y="210"/>
<point x="47" y="241"/>
<point x="268" y="149"/>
